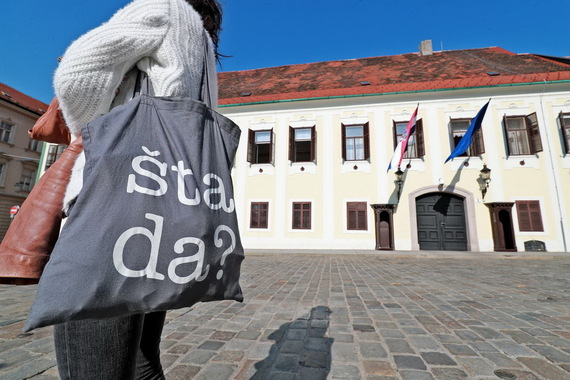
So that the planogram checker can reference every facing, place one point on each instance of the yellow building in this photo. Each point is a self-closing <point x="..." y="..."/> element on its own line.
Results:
<point x="19" y="155"/>
<point x="317" y="139"/>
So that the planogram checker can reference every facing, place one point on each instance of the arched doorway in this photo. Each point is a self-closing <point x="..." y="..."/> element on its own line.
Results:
<point x="441" y="222"/>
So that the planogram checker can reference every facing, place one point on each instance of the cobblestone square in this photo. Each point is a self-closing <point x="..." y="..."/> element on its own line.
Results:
<point x="353" y="316"/>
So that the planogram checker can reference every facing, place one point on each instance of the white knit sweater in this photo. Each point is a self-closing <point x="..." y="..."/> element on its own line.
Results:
<point x="164" y="38"/>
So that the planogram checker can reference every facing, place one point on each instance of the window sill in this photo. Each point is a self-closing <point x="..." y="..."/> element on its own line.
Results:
<point x="259" y="229"/>
<point x="356" y="166"/>
<point x="522" y="161"/>
<point x="416" y="164"/>
<point x="302" y="168"/>
<point x="260" y="169"/>
<point x="302" y="230"/>
<point x="474" y="162"/>
<point x="357" y="232"/>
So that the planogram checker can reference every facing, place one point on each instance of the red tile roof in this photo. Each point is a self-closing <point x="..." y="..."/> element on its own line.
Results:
<point x="14" y="96"/>
<point x="390" y="74"/>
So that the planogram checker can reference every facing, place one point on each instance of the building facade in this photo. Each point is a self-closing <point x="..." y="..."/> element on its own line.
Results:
<point x="19" y="155"/>
<point x="317" y="139"/>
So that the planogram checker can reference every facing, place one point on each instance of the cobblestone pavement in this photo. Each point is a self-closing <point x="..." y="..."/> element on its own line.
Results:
<point x="352" y="317"/>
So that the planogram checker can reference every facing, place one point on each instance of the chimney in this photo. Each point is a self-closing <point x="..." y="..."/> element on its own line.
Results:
<point x="426" y="48"/>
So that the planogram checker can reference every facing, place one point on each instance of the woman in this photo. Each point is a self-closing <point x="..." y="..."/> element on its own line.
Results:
<point x="166" y="40"/>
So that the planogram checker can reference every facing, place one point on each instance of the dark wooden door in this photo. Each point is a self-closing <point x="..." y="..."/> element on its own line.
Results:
<point x="441" y="222"/>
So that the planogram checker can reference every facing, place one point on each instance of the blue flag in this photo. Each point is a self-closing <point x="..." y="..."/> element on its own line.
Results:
<point x="467" y="138"/>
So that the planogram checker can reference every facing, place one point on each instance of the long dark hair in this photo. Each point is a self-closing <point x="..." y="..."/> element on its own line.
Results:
<point x="211" y="12"/>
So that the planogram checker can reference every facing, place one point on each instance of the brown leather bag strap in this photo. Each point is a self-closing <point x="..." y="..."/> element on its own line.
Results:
<point x="25" y="249"/>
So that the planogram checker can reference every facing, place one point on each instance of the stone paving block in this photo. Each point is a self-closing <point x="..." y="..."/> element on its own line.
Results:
<point x="248" y="334"/>
<point x="179" y="349"/>
<point x="468" y="335"/>
<point x="287" y="362"/>
<point x="182" y="372"/>
<point x="6" y="345"/>
<point x="318" y="344"/>
<point x="448" y="338"/>
<point x="372" y="350"/>
<point x="513" y="348"/>
<point x="487" y="333"/>
<point x="378" y="368"/>
<point x="211" y="345"/>
<point x="544" y="368"/>
<point x="501" y="360"/>
<point x="551" y="353"/>
<point x="261" y="350"/>
<point x="198" y="356"/>
<point x="391" y="333"/>
<point x="216" y="371"/>
<point x="448" y="373"/>
<point x="460" y="349"/>
<point x="475" y="366"/>
<point x="413" y="331"/>
<point x="230" y="356"/>
<point x="222" y="335"/>
<point x="556" y="341"/>
<point x="521" y="337"/>
<point x="315" y="359"/>
<point x="538" y="332"/>
<point x="409" y="362"/>
<point x="344" y="353"/>
<point x="399" y="346"/>
<point x="28" y="369"/>
<point x="483" y="347"/>
<point x="425" y="343"/>
<point x="313" y="374"/>
<point x="415" y="375"/>
<point x="437" y="358"/>
<point x="345" y="372"/>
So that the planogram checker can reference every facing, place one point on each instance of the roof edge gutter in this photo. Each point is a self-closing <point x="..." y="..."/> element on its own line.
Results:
<point x="19" y="105"/>
<point x="393" y="93"/>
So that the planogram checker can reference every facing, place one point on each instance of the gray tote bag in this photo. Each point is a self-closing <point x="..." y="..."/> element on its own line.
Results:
<point x="154" y="227"/>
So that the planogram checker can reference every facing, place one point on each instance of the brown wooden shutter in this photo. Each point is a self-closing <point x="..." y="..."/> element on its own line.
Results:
<point x="253" y="215"/>
<point x="271" y="146"/>
<point x="251" y="146"/>
<point x="529" y="215"/>
<point x="420" y="138"/>
<point x="263" y="214"/>
<point x="395" y="134"/>
<point x="523" y="216"/>
<point x="350" y="216"/>
<point x="366" y="133"/>
<point x="362" y="222"/>
<point x="565" y="132"/>
<point x="535" y="216"/>
<point x="356" y="217"/>
<point x="506" y="130"/>
<point x="343" y="136"/>
<point x="313" y="143"/>
<point x="291" y="144"/>
<point x="534" y="133"/>
<point x="296" y="215"/>
<point x="477" y="143"/>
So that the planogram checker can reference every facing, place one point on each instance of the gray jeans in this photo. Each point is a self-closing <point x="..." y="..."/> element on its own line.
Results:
<point x="123" y="348"/>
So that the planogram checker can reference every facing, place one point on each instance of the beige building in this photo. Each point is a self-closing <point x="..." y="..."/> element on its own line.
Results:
<point x="311" y="170"/>
<point x="19" y="155"/>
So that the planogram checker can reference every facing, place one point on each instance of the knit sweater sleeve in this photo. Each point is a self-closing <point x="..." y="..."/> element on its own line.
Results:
<point x="94" y="65"/>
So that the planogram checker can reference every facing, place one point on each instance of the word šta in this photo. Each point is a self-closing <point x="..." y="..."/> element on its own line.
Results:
<point x="200" y="273"/>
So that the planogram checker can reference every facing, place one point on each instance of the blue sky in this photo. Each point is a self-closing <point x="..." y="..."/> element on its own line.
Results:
<point x="264" y="33"/>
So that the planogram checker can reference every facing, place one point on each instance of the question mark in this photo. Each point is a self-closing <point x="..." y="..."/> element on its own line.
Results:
<point x="219" y="242"/>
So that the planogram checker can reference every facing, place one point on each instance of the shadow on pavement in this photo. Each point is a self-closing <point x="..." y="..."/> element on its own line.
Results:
<point x="300" y="347"/>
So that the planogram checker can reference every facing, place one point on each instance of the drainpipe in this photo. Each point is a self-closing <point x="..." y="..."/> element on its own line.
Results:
<point x="554" y="176"/>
